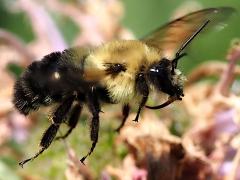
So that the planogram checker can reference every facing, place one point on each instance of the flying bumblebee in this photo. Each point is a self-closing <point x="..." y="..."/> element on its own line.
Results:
<point x="119" y="71"/>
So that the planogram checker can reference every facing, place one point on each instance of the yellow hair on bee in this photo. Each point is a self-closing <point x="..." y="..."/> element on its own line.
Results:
<point x="132" y="54"/>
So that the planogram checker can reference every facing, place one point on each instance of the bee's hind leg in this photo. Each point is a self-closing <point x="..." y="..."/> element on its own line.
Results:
<point x="48" y="136"/>
<point x="72" y="121"/>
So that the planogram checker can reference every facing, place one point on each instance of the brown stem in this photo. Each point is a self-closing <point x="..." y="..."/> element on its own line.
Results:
<point x="228" y="75"/>
<point x="212" y="68"/>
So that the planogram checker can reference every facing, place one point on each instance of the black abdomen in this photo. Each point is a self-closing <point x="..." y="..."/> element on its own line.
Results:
<point x="47" y="81"/>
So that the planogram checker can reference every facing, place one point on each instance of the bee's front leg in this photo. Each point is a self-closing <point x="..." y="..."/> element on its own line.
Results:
<point x="142" y="88"/>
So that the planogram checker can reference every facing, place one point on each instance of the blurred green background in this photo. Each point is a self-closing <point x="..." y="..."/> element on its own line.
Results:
<point x="140" y="17"/>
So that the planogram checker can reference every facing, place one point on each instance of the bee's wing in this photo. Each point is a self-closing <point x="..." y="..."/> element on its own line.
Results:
<point x="94" y="74"/>
<point x="169" y="38"/>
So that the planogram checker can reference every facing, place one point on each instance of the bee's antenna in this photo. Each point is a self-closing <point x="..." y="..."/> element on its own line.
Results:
<point x="184" y="45"/>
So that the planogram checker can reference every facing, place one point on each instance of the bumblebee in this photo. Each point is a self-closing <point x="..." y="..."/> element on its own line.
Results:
<point x="120" y="71"/>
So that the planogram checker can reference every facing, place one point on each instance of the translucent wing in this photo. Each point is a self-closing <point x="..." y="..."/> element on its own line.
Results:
<point x="169" y="38"/>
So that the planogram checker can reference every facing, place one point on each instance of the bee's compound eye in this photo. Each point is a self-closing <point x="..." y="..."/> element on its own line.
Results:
<point x="160" y="69"/>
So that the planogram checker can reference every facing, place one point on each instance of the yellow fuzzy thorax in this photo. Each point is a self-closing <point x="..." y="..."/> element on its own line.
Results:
<point x="133" y="54"/>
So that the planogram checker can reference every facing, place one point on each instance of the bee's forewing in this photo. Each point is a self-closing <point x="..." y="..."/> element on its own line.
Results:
<point x="169" y="38"/>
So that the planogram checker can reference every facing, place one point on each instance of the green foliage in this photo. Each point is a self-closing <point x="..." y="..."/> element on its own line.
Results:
<point x="7" y="172"/>
<point x="15" y="69"/>
<point x="67" y="27"/>
<point x="15" y="22"/>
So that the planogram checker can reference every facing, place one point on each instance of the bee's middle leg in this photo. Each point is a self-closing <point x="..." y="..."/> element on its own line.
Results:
<point x="94" y="107"/>
<point x="125" y="113"/>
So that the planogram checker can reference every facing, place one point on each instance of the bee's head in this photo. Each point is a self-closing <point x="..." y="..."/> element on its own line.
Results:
<point x="166" y="78"/>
